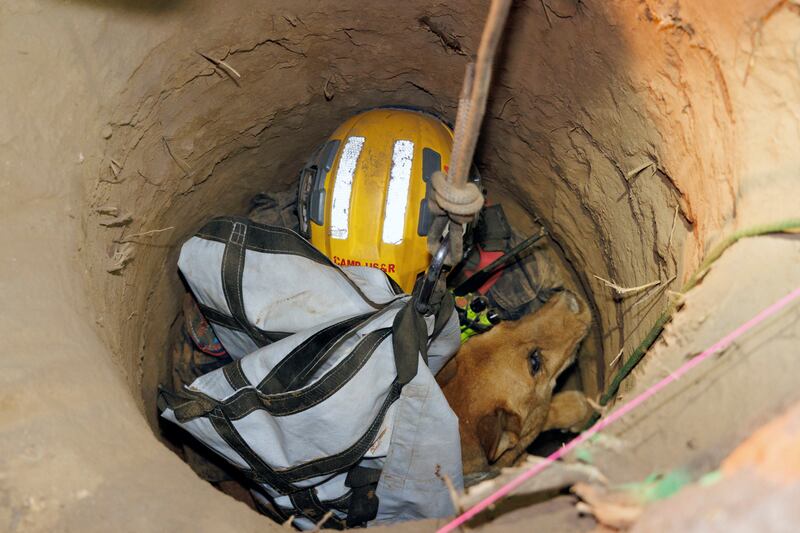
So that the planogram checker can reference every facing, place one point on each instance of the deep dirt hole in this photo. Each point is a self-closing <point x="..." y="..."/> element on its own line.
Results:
<point x="614" y="126"/>
<point x="575" y="139"/>
<point x="572" y="139"/>
<point x="639" y="132"/>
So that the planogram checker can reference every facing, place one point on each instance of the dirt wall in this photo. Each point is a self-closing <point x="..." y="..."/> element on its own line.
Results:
<point x="578" y="144"/>
<point x="637" y="132"/>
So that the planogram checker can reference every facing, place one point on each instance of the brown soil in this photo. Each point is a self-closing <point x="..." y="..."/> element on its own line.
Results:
<point x="639" y="132"/>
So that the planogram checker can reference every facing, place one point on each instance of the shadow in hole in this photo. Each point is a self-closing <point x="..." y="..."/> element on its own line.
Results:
<point x="208" y="466"/>
<point x="153" y="7"/>
<point x="513" y="503"/>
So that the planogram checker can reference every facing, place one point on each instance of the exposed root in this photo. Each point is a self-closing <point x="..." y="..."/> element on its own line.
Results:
<point x="646" y="297"/>
<point x="122" y="256"/>
<point x="556" y="477"/>
<point x="454" y="496"/>
<point x="128" y="238"/>
<point x="115" y="168"/>
<point x="638" y="170"/>
<point x="614" y="511"/>
<point x="322" y="520"/>
<point x="121" y="220"/>
<point x="448" y="39"/>
<point x="672" y="230"/>
<point x="224" y="67"/>
<point x="326" y="92"/>
<point x="601" y="410"/>
<point x="109" y="210"/>
<point x="186" y="168"/>
<point x="623" y="291"/>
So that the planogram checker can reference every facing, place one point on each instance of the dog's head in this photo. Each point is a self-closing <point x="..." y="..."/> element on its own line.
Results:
<point x="500" y="384"/>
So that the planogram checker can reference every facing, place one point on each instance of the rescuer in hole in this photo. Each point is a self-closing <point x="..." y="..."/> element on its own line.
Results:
<point x="362" y="200"/>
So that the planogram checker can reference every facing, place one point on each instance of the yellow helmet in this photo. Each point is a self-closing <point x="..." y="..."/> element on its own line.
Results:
<point x="362" y="193"/>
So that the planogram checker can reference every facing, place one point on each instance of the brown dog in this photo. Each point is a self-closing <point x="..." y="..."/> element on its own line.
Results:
<point x="500" y="384"/>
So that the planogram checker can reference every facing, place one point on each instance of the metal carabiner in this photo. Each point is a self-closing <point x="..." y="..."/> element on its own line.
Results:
<point x="422" y="305"/>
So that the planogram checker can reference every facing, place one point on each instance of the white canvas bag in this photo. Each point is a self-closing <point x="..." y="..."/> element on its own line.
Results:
<point x="330" y="403"/>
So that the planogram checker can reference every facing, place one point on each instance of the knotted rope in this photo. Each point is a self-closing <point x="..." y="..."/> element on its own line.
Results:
<point x="454" y="200"/>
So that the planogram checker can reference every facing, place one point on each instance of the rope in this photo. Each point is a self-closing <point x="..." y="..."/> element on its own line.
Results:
<point x="454" y="200"/>
<point x="720" y="345"/>
<point x="478" y="92"/>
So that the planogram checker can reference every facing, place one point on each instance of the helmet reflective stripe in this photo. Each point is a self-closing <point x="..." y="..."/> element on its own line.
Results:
<point x="343" y="187"/>
<point x="367" y="207"/>
<point x="394" y="220"/>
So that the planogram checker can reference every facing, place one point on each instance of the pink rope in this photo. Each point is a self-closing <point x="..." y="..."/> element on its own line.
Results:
<point x="621" y="412"/>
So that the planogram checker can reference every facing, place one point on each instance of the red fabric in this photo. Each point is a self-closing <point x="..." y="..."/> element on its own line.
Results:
<point x="486" y="259"/>
<point x="200" y="330"/>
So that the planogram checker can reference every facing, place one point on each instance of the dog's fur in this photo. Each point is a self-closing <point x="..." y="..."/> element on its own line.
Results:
<point x="501" y="404"/>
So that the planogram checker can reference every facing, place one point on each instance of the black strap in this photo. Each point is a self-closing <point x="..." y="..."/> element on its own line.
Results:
<point x="235" y="375"/>
<point x="308" y="505"/>
<point x="248" y="399"/>
<point x="347" y="458"/>
<point x="446" y="306"/>
<point x="273" y="394"/>
<point x="476" y="326"/>
<point x="281" y="480"/>
<point x="259" y="471"/>
<point x="493" y="231"/>
<point x="239" y="235"/>
<point x="263" y="238"/>
<point x="232" y="270"/>
<point x="221" y="319"/>
<point x="474" y="282"/>
<point x="396" y="288"/>
<point x="409" y="340"/>
<point x="274" y="240"/>
<point x="364" y="501"/>
<point x="300" y="364"/>
<point x="186" y="407"/>
<point x="270" y="509"/>
<point x="342" y="503"/>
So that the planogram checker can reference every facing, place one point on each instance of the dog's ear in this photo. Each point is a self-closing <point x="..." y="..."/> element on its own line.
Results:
<point x="498" y="433"/>
<point x="568" y="410"/>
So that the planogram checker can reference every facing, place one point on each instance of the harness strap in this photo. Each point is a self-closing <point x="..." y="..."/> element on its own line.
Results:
<point x="281" y="480"/>
<point x="409" y="340"/>
<point x="221" y="319"/>
<point x="493" y="231"/>
<point x="308" y="505"/>
<point x="476" y="280"/>
<point x="446" y="306"/>
<point x="235" y="375"/>
<point x="259" y="471"/>
<point x="240" y="235"/>
<point x="364" y="501"/>
<point x="190" y="404"/>
<point x="273" y="240"/>
<point x="301" y="363"/>
<point x="232" y="270"/>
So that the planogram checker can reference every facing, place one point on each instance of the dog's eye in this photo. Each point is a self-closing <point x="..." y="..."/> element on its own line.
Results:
<point x="535" y="360"/>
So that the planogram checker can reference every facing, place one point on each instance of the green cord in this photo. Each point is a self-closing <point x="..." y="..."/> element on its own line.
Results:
<point x="658" y="327"/>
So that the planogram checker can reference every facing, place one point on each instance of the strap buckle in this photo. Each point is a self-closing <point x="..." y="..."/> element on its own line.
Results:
<point x="423" y="301"/>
